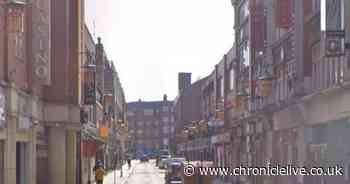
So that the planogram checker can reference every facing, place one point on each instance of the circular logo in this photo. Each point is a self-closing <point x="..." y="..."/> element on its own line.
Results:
<point x="189" y="170"/>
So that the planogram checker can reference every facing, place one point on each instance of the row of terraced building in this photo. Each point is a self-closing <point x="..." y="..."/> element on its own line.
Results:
<point x="61" y="101"/>
<point x="281" y="94"/>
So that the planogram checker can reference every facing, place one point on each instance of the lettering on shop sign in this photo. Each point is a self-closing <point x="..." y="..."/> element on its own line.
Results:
<point x="41" y="42"/>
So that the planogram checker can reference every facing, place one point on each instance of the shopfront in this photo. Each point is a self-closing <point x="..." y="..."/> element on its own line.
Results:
<point x="221" y="146"/>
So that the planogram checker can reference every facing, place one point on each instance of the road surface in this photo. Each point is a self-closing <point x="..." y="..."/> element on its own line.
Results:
<point x="146" y="173"/>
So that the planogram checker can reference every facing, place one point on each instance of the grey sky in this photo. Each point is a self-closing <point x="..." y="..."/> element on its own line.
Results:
<point x="150" y="41"/>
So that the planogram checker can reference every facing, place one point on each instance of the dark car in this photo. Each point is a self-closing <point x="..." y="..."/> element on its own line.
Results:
<point x="144" y="158"/>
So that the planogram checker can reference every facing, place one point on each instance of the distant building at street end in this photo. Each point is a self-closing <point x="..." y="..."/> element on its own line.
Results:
<point x="151" y="125"/>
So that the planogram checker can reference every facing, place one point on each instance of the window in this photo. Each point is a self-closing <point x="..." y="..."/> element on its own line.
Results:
<point x="316" y="6"/>
<point x="222" y="87"/>
<point x="140" y="123"/>
<point x="165" y="129"/>
<point x="334" y="14"/>
<point x="148" y="112"/>
<point x="165" y="141"/>
<point x="165" y="119"/>
<point x="244" y="54"/>
<point x="130" y="113"/>
<point x="243" y="33"/>
<point x="19" y="45"/>
<point x="156" y="123"/>
<point x="110" y="110"/>
<point x="243" y="11"/>
<point x="165" y="109"/>
<point x="232" y="79"/>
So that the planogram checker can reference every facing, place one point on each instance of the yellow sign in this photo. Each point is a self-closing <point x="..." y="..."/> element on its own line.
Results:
<point x="104" y="132"/>
<point x="221" y="115"/>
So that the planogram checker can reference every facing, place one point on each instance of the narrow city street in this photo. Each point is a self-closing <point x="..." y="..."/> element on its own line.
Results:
<point x="146" y="173"/>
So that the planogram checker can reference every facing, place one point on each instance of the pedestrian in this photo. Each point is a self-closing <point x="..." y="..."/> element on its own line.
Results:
<point x="129" y="162"/>
<point x="99" y="173"/>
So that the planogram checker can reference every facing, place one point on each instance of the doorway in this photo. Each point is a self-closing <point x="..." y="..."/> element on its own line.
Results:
<point x="21" y="163"/>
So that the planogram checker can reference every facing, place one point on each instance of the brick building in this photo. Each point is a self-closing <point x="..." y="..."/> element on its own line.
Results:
<point x="151" y="124"/>
<point x="40" y="93"/>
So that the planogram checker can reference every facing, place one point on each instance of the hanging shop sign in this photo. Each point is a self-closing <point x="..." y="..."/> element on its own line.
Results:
<point x="104" y="132"/>
<point x="334" y="45"/>
<point x="221" y="138"/>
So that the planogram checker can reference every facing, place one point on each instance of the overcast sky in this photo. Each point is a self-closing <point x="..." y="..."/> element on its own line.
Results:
<point x="150" y="41"/>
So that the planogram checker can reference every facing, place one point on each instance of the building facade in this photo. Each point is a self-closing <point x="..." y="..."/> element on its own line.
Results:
<point x="280" y="91"/>
<point x="151" y="125"/>
<point x="40" y="109"/>
<point x="103" y="108"/>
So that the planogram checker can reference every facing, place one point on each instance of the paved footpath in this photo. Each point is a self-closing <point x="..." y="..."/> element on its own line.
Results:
<point x="146" y="173"/>
<point x="113" y="177"/>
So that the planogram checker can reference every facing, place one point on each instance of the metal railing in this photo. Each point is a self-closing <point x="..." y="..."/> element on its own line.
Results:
<point x="329" y="72"/>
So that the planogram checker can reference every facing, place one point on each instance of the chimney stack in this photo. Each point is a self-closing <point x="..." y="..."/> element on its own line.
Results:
<point x="184" y="81"/>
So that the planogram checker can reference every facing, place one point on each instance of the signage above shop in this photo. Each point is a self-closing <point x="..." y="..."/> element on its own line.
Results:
<point x="216" y="123"/>
<point x="221" y="138"/>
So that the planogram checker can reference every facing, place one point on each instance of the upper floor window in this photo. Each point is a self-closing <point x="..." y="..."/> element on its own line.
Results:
<point x="130" y="113"/>
<point x="243" y="11"/>
<point x="244" y="54"/>
<point x="334" y="18"/>
<point x="165" y="119"/>
<point x="232" y="78"/>
<point x="19" y="44"/>
<point x="316" y="6"/>
<point x="243" y="33"/>
<point x="222" y="87"/>
<point x="165" y="109"/>
<point x="148" y="112"/>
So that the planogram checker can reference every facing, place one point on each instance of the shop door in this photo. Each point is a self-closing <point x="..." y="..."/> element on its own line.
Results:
<point x="21" y="163"/>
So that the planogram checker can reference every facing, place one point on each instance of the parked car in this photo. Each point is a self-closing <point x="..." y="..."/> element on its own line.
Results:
<point x="173" y="174"/>
<point x="144" y="158"/>
<point x="163" y="154"/>
<point x="163" y="160"/>
<point x="169" y="161"/>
